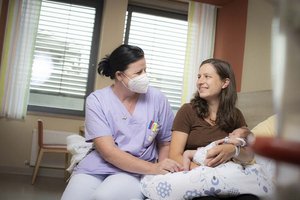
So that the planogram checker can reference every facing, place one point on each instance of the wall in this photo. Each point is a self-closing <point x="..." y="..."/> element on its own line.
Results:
<point x="257" y="61"/>
<point x="15" y="142"/>
<point x="245" y="45"/>
<point x="230" y="35"/>
<point x="16" y="135"/>
<point x="112" y="32"/>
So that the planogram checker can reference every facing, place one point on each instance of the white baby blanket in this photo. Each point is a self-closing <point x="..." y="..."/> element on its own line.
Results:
<point x="79" y="148"/>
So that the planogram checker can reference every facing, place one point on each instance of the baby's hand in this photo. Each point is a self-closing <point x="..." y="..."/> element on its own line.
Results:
<point x="187" y="158"/>
<point x="221" y="141"/>
<point x="186" y="164"/>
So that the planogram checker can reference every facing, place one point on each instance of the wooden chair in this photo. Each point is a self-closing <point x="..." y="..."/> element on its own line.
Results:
<point x="44" y="148"/>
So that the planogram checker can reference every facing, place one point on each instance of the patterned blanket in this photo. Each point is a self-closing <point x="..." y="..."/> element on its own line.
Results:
<point x="228" y="179"/>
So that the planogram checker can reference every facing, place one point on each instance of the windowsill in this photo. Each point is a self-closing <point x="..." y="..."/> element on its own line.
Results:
<point x="35" y="113"/>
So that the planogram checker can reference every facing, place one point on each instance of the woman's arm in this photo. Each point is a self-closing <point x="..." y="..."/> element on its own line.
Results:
<point x="163" y="150"/>
<point x="224" y="152"/>
<point x="177" y="146"/>
<point x="246" y="155"/>
<point x="105" y="145"/>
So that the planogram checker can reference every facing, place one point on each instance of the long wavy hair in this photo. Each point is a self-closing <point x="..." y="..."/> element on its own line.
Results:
<point x="227" y="114"/>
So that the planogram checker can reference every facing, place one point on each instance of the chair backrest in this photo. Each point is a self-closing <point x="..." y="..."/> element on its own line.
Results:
<point x="40" y="133"/>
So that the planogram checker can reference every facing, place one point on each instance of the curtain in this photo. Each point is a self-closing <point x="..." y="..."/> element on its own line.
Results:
<point x="200" y="44"/>
<point x="17" y="56"/>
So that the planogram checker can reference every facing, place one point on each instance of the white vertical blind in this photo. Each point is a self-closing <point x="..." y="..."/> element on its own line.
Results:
<point x="163" y="40"/>
<point x="62" y="51"/>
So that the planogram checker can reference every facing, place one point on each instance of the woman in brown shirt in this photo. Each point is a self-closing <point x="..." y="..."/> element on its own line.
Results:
<point x="211" y="115"/>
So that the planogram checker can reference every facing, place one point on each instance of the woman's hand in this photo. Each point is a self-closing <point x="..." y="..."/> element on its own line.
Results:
<point x="166" y="166"/>
<point x="219" y="154"/>
<point x="107" y="148"/>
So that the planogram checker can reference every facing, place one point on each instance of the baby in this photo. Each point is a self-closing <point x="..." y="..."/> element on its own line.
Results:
<point x="238" y="138"/>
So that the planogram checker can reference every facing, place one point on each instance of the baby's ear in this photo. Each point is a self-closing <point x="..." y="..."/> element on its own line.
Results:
<point x="226" y="83"/>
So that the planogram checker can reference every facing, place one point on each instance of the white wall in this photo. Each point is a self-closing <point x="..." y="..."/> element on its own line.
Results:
<point x="257" y="61"/>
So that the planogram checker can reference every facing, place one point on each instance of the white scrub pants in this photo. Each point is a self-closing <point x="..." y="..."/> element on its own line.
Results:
<point x="102" y="187"/>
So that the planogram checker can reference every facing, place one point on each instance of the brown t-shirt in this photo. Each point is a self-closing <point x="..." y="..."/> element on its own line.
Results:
<point x="200" y="132"/>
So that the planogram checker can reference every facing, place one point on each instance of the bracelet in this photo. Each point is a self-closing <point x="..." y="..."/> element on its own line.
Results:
<point x="226" y="140"/>
<point x="237" y="151"/>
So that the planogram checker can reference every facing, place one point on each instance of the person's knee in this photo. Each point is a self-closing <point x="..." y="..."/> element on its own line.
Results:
<point x="81" y="186"/>
<point x="120" y="186"/>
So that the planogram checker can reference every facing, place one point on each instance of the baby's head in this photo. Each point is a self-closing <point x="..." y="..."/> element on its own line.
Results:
<point x="242" y="132"/>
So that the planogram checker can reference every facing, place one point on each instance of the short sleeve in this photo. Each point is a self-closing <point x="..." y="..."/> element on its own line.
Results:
<point x="184" y="119"/>
<point x="96" y="123"/>
<point x="166" y="117"/>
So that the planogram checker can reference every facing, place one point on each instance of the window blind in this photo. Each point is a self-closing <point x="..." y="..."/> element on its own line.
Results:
<point x="163" y="40"/>
<point x="62" y="49"/>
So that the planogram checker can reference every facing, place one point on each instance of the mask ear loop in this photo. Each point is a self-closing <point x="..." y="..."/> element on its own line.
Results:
<point x="128" y="80"/>
<point x="118" y="74"/>
<point x="126" y="76"/>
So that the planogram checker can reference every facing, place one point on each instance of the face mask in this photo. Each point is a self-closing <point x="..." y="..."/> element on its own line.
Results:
<point x="138" y="84"/>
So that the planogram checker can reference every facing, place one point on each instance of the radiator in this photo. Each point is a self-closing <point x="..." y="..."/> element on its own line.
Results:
<point x="52" y="160"/>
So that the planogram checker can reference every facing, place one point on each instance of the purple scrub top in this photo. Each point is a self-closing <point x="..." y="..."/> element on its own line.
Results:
<point x="134" y="134"/>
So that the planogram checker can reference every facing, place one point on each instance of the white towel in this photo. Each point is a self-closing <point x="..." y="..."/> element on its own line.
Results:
<point x="79" y="148"/>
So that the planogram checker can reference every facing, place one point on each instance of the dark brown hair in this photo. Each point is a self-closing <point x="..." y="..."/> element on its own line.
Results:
<point x="227" y="115"/>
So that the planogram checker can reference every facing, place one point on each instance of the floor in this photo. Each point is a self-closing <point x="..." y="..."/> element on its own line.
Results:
<point x="18" y="187"/>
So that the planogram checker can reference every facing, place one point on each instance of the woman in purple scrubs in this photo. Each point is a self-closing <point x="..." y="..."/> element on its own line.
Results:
<point x="130" y="125"/>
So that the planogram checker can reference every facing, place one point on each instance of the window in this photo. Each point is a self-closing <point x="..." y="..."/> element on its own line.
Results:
<point x="162" y="36"/>
<point x="65" y="56"/>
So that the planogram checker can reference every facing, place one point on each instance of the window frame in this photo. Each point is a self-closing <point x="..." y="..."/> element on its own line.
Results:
<point x="98" y="5"/>
<point x="156" y="12"/>
<point x="150" y="11"/>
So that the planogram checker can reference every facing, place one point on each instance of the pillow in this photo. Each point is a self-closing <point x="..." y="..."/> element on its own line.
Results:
<point x="266" y="128"/>
<point x="228" y="179"/>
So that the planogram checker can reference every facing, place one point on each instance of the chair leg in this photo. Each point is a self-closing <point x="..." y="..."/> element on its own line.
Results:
<point x="37" y="165"/>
